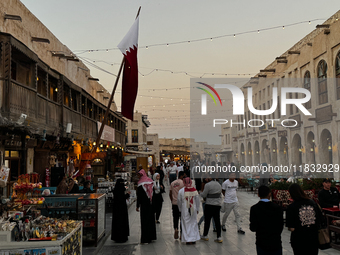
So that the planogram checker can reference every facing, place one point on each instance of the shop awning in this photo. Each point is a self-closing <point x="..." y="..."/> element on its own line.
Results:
<point x="176" y="152"/>
<point x="141" y="152"/>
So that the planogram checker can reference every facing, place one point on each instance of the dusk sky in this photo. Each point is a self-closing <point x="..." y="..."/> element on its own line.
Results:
<point x="84" y="25"/>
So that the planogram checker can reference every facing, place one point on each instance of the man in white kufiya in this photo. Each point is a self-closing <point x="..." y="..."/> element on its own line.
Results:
<point x="188" y="204"/>
<point x="230" y="203"/>
<point x="172" y="172"/>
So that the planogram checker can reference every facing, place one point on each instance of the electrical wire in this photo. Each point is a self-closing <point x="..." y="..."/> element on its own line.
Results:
<point x="211" y="38"/>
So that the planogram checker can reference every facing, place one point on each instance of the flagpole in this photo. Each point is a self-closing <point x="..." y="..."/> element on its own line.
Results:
<point x="111" y="99"/>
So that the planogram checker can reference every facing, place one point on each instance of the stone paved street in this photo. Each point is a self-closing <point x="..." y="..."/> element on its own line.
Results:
<point x="233" y="243"/>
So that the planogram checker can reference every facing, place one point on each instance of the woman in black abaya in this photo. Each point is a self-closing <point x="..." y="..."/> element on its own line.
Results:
<point x="120" y="217"/>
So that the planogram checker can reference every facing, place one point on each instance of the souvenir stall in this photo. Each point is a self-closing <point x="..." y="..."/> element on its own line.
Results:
<point x="23" y="230"/>
<point x="106" y="186"/>
<point x="41" y="235"/>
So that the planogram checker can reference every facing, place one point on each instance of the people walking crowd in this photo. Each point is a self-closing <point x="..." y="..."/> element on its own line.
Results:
<point x="303" y="217"/>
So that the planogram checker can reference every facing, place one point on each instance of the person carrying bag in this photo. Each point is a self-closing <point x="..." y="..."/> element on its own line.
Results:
<point x="323" y="233"/>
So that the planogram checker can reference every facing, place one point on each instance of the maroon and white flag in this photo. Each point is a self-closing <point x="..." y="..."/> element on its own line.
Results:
<point x="129" y="47"/>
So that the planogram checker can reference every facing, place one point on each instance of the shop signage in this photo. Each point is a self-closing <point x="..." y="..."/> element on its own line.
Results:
<point x="108" y="133"/>
<point x="132" y="148"/>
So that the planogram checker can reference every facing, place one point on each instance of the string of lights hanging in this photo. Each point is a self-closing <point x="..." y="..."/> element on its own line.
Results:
<point x="188" y="73"/>
<point x="212" y="38"/>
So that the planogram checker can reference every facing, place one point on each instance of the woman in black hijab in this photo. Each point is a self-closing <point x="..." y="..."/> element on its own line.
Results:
<point x="120" y="217"/>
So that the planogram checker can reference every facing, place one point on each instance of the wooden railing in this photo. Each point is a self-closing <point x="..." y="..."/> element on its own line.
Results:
<point x="44" y="113"/>
<point x="22" y="99"/>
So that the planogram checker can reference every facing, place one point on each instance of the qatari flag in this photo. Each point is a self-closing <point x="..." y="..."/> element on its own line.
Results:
<point x="128" y="47"/>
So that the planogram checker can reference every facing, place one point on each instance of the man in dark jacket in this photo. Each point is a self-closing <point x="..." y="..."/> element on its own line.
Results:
<point x="328" y="196"/>
<point x="266" y="220"/>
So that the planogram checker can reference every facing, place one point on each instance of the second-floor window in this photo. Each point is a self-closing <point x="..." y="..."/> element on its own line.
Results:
<point x="22" y="69"/>
<point x="42" y="82"/>
<point x="337" y="75"/>
<point x="322" y="82"/>
<point x="306" y="85"/>
<point x="134" y="135"/>
<point x="67" y="101"/>
<point x="53" y="88"/>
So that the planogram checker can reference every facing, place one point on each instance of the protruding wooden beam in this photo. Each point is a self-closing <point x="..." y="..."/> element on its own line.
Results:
<point x="262" y="75"/>
<point x="60" y="55"/>
<point x="293" y="52"/>
<point x="327" y="31"/>
<point x="310" y="44"/>
<point x="12" y="17"/>
<point x="282" y="57"/>
<point x="38" y="39"/>
<point x="71" y="58"/>
<point x="268" y="70"/>
<point x="323" y="26"/>
<point x="282" y="61"/>
<point x="93" y="79"/>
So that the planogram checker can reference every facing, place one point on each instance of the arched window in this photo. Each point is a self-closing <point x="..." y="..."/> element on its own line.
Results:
<point x="322" y="82"/>
<point x="306" y="85"/>
<point x="337" y="75"/>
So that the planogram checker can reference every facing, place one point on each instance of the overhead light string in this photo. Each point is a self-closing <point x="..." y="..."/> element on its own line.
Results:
<point x="188" y="73"/>
<point x="211" y="38"/>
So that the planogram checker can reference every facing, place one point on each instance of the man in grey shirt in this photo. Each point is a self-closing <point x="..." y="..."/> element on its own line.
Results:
<point x="212" y="193"/>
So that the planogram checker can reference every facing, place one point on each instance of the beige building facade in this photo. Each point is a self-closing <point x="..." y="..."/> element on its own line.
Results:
<point x="152" y="143"/>
<point x="229" y="146"/>
<point x="174" y="149"/>
<point x="313" y="64"/>
<point x="136" y="132"/>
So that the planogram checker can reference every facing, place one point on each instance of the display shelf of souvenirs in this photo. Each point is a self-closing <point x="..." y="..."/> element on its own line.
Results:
<point x="40" y="235"/>
<point x="124" y="175"/>
<point x="26" y="190"/>
<point x="106" y="186"/>
<point x="91" y="211"/>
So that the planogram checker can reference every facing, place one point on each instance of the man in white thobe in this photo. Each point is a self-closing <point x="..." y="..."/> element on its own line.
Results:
<point x="188" y="204"/>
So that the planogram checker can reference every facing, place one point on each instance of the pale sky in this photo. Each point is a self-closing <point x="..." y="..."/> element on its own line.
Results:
<point x="101" y="24"/>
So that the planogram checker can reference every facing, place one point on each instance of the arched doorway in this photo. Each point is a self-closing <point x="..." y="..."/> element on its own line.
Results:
<point x="310" y="148"/>
<point x="249" y="155"/>
<point x="265" y="152"/>
<point x="326" y="147"/>
<point x="243" y="157"/>
<point x="296" y="151"/>
<point x="256" y="153"/>
<point x="273" y="149"/>
<point x="283" y="152"/>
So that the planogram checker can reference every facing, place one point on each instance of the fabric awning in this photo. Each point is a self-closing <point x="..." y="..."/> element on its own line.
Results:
<point x="141" y="152"/>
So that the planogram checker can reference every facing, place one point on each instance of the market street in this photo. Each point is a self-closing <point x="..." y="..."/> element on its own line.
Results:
<point x="233" y="243"/>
